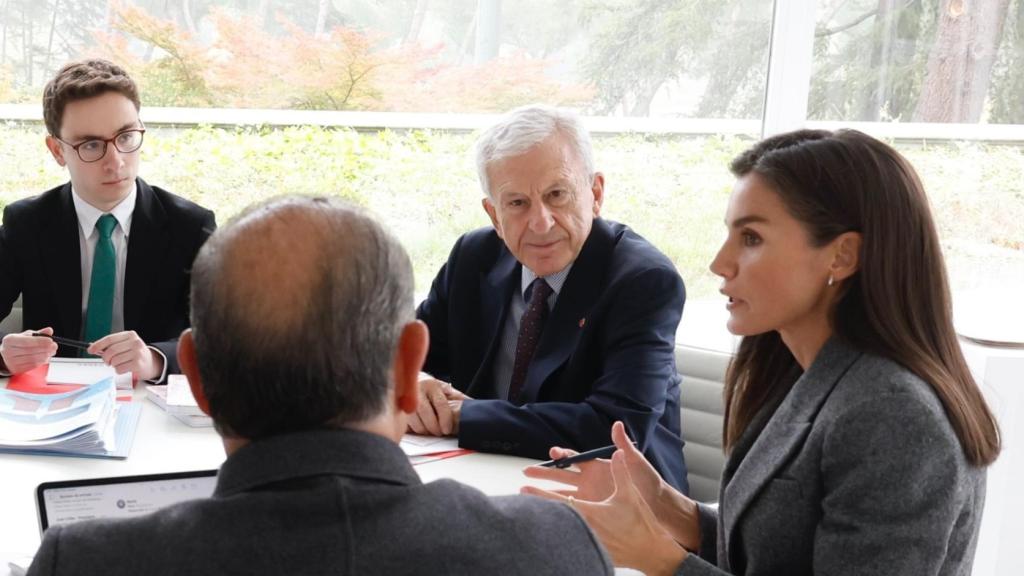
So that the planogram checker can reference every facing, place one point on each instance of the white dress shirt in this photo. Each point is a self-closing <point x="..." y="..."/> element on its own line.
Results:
<point x="88" y="237"/>
<point x="505" y="356"/>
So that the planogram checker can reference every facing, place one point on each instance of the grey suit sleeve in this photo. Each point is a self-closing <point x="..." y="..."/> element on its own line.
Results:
<point x="45" y="560"/>
<point x="708" y="518"/>
<point x="893" y="471"/>
<point x="894" y="478"/>
<point x="595" y="555"/>
<point x="703" y="562"/>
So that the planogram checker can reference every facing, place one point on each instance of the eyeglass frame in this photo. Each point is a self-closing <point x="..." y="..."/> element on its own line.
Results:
<point x="106" y="143"/>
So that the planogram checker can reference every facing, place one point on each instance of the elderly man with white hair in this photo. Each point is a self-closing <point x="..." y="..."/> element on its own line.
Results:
<point x="554" y="323"/>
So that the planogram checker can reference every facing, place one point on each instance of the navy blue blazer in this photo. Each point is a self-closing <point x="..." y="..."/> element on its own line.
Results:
<point x="606" y="352"/>
<point x="41" y="261"/>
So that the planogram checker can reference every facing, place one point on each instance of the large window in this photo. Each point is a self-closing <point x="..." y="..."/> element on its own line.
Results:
<point x="675" y="88"/>
<point x="944" y="80"/>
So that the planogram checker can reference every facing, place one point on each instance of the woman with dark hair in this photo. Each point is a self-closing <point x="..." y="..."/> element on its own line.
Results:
<point x="857" y="438"/>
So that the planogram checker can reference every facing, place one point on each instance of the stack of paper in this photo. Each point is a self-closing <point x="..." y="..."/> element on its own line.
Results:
<point x="68" y="374"/>
<point x="422" y="449"/>
<point x="85" y="371"/>
<point x="176" y="398"/>
<point x="83" y="422"/>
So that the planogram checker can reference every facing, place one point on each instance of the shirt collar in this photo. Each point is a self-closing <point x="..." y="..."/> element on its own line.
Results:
<point x="555" y="280"/>
<point x="88" y="214"/>
<point x="363" y="456"/>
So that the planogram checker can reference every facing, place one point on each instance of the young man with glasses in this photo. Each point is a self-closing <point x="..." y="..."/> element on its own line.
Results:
<point x="104" y="258"/>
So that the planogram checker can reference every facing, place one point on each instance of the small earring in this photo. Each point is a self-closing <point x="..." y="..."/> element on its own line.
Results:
<point x="831" y="280"/>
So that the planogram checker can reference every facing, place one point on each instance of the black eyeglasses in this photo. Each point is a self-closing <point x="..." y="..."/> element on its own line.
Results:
<point x="94" y="150"/>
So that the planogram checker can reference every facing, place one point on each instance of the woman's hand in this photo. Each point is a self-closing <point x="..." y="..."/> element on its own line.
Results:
<point x="593" y="482"/>
<point x="625" y="524"/>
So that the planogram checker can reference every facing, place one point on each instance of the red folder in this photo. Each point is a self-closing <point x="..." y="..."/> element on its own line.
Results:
<point x="34" y="382"/>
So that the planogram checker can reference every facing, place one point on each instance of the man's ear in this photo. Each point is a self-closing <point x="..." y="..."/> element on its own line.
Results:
<point x="56" y="150"/>
<point x="190" y="368"/>
<point x="413" y="344"/>
<point x="492" y="213"/>
<point x="597" y="187"/>
<point x="846" y="259"/>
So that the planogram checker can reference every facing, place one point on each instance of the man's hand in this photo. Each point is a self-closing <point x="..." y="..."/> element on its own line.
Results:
<point x="439" y="408"/>
<point x="126" y="352"/>
<point x="22" y="352"/>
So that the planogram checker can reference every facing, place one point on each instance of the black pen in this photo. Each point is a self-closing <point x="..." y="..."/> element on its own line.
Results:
<point x="65" y="341"/>
<point x="587" y="456"/>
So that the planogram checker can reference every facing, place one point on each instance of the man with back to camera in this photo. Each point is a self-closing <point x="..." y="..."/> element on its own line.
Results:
<point x="104" y="258"/>
<point x="305" y="351"/>
<point x="553" y="324"/>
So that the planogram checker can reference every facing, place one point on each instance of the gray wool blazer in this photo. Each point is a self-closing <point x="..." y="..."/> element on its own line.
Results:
<point x="330" y="502"/>
<point x="857" y="471"/>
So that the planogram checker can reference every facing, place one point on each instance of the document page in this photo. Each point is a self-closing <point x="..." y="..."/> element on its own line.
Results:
<point x="417" y="445"/>
<point x="84" y="371"/>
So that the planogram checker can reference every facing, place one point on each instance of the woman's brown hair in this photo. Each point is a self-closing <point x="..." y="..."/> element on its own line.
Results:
<point x="897" y="305"/>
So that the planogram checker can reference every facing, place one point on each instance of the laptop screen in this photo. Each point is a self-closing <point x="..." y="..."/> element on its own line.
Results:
<point x="119" y="497"/>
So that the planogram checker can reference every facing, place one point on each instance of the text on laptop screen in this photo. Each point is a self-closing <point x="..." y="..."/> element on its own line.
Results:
<point x="74" y="501"/>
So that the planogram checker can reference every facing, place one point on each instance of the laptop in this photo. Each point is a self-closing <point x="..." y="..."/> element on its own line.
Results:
<point x="71" y="501"/>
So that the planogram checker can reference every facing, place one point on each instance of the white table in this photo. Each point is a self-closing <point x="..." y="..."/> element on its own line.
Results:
<point x="163" y="444"/>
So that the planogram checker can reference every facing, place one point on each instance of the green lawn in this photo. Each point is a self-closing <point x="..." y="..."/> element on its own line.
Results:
<point x="672" y="189"/>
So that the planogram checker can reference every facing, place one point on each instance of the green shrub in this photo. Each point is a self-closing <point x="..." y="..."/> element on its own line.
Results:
<point x="671" y="189"/>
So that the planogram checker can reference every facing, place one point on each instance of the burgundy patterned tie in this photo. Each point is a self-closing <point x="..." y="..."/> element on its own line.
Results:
<point x="530" y="327"/>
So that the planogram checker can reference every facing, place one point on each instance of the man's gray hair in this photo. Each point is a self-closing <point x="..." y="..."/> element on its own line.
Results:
<point x="525" y="127"/>
<point x="297" y="308"/>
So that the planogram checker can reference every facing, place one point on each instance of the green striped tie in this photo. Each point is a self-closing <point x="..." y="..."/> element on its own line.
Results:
<point x="101" y="288"/>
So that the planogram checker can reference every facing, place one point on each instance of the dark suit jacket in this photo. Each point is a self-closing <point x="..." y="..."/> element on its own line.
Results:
<point x="41" y="261"/>
<point x="606" y="352"/>
<point x="858" y="471"/>
<point x="330" y="502"/>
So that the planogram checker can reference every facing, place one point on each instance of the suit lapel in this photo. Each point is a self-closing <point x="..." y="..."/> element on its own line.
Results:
<point x="495" y="294"/>
<point x="782" y="436"/>
<point x="581" y="290"/>
<point x="62" y="259"/>
<point x="147" y="246"/>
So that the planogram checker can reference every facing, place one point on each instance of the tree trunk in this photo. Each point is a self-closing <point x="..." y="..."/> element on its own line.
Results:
<point x="49" y="41"/>
<point x="3" y="39"/>
<point x="26" y="43"/>
<point x="488" y="31"/>
<point x="108" y="16"/>
<point x="468" y="37"/>
<point x="262" y="12"/>
<point x="321" y="17"/>
<point x="642" y="104"/>
<point x="960" y="64"/>
<point x="417" y="22"/>
<point x="186" y="12"/>
<point x="883" y="35"/>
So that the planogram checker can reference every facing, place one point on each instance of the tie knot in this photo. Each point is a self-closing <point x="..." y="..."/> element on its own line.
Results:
<point x="539" y="288"/>
<point x="106" y="225"/>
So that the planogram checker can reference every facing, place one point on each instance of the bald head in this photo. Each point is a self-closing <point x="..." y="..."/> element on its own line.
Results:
<point x="297" y="305"/>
